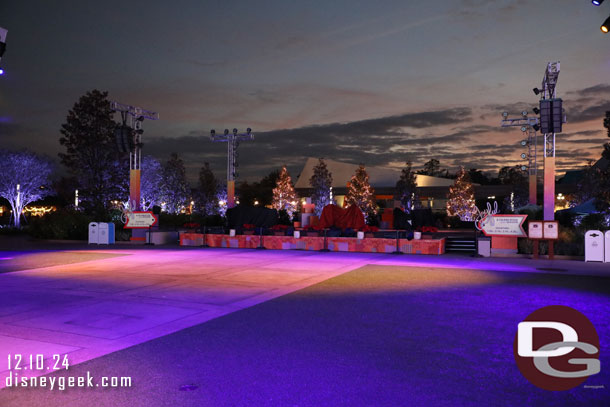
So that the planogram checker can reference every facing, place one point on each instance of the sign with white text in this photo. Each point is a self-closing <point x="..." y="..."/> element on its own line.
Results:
<point x="503" y="225"/>
<point x="551" y="230"/>
<point x="140" y="220"/>
<point x="535" y="230"/>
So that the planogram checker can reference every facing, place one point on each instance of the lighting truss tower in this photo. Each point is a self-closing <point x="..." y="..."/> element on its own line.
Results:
<point x="529" y="125"/>
<point x="136" y="115"/>
<point x="232" y="140"/>
<point x="551" y="111"/>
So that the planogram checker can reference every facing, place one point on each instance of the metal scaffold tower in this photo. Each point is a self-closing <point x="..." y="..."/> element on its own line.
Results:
<point x="129" y="139"/>
<point x="551" y="119"/>
<point x="549" y="123"/>
<point x="232" y="140"/>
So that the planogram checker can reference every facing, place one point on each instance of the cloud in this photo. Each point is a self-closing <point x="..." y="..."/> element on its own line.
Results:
<point x="376" y="142"/>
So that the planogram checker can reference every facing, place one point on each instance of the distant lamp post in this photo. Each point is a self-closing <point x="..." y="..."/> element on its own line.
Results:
<point x="76" y="198"/>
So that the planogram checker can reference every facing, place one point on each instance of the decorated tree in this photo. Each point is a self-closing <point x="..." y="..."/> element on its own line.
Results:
<point x="91" y="154"/>
<point x="321" y="181"/>
<point x="24" y="179"/>
<point x="360" y="192"/>
<point x="151" y="181"/>
<point x="207" y="191"/>
<point x="221" y="198"/>
<point x="461" y="197"/>
<point x="175" y="190"/>
<point x="284" y="196"/>
<point x="406" y="189"/>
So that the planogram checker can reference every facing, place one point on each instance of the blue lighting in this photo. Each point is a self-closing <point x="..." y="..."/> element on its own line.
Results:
<point x="1" y="71"/>
<point x="597" y="2"/>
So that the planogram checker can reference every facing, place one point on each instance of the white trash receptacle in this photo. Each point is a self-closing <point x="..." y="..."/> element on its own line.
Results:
<point x="594" y="245"/>
<point x="93" y="233"/>
<point x="102" y="233"/>
<point x="484" y="246"/>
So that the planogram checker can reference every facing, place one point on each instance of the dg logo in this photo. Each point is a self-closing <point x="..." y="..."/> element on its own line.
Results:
<point x="557" y="348"/>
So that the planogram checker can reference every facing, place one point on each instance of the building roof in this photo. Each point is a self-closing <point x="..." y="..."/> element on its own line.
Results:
<point x="378" y="177"/>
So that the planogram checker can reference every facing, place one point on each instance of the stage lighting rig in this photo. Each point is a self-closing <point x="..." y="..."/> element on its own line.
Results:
<point x="597" y="2"/>
<point x="605" y="26"/>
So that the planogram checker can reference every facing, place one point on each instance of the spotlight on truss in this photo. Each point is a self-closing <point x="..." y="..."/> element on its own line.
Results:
<point x="605" y="26"/>
<point x="536" y="110"/>
<point x="523" y="155"/>
<point x="536" y="91"/>
<point x="597" y="2"/>
<point x="536" y="127"/>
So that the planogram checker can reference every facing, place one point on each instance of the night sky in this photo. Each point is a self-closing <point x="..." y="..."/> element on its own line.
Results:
<point x="374" y="82"/>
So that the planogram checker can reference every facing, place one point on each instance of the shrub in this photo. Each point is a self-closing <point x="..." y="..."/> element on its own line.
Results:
<point x="61" y="224"/>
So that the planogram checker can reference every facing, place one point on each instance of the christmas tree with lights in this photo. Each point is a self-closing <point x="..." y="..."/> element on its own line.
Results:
<point x="461" y="198"/>
<point x="284" y="196"/>
<point x="360" y="192"/>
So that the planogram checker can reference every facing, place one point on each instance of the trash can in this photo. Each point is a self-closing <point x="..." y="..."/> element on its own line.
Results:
<point x="484" y="245"/>
<point x="594" y="245"/>
<point x="105" y="233"/>
<point x="93" y="233"/>
<point x="102" y="233"/>
<point x="111" y="233"/>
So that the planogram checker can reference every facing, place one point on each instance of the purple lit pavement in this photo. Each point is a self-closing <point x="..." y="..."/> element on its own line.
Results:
<point x="91" y="308"/>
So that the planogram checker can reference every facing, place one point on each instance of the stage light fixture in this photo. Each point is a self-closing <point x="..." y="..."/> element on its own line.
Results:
<point x="523" y="155"/>
<point x="536" y="110"/>
<point x="536" y="127"/>
<point x="605" y="26"/>
<point x="523" y="168"/>
<point x="536" y="91"/>
<point x="524" y="142"/>
<point x="597" y="2"/>
<point x="1" y="71"/>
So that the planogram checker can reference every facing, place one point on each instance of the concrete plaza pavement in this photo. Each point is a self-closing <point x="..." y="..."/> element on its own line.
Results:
<point x="97" y="306"/>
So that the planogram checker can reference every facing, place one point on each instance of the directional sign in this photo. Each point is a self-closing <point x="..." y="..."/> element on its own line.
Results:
<point x="140" y="220"/>
<point x="503" y="225"/>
